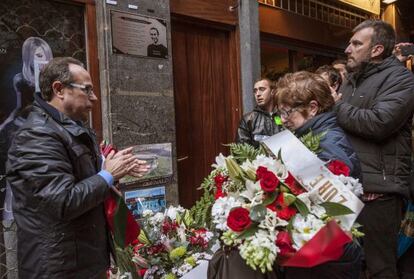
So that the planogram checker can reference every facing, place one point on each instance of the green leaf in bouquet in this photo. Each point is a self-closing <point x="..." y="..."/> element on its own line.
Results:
<point x="235" y="172"/>
<point x="258" y="213"/>
<point x="301" y="207"/>
<point x="336" y="209"/>
<point x="250" y="174"/>
<point x="270" y="198"/>
<point x="188" y="220"/>
<point x="283" y="188"/>
<point x="312" y="142"/>
<point x="289" y="226"/>
<point x="288" y="198"/>
<point x="143" y="237"/>
<point x="243" y="151"/>
<point x="250" y="231"/>
<point x="201" y="211"/>
<point x="178" y="218"/>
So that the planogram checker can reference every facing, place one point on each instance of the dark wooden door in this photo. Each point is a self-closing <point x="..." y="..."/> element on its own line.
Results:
<point x="206" y="100"/>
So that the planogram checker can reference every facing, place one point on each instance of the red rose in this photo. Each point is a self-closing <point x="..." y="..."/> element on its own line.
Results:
<point x="260" y="172"/>
<point x="286" y="213"/>
<point x="239" y="219"/>
<point x="269" y="182"/>
<point x="284" y="242"/>
<point x="293" y="185"/>
<point x="338" y="167"/>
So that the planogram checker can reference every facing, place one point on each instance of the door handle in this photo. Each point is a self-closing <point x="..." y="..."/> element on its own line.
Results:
<point x="182" y="158"/>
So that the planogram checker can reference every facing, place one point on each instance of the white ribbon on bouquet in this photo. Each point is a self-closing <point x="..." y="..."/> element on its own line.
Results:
<point x="311" y="172"/>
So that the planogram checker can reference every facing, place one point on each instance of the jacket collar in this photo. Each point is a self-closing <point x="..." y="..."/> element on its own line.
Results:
<point x="259" y="109"/>
<point x="373" y="68"/>
<point x="74" y="127"/>
<point x="323" y="121"/>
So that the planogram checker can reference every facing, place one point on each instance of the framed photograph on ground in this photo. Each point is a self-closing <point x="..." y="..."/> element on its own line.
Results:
<point x="152" y="198"/>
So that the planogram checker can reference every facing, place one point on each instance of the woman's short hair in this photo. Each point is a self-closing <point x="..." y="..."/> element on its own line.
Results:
<point x="300" y="88"/>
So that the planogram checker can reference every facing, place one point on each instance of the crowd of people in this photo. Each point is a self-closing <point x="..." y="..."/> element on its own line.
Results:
<point x="364" y="105"/>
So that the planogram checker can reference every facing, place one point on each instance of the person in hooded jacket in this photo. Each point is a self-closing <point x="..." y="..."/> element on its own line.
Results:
<point x="305" y="105"/>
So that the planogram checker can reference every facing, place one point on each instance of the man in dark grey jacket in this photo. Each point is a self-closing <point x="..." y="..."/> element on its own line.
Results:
<point x="54" y="169"/>
<point x="376" y="111"/>
<point x="263" y="121"/>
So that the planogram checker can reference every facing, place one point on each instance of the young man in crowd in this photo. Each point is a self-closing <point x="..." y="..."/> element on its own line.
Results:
<point x="263" y="121"/>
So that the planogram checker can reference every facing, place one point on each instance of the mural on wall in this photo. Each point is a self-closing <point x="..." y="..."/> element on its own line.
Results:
<point x="31" y="33"/>
<point x="138" y="35"/>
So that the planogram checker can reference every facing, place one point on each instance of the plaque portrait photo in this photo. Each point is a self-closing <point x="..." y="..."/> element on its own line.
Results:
<point x="139" y="35"/>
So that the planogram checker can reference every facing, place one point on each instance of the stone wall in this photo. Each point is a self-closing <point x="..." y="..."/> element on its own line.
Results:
<point x="137" y="92"/>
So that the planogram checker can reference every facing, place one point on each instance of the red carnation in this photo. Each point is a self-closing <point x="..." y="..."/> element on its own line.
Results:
<point x="239" y="219"/>
<point x="286" y="213"/>
<point x="284" y="242"/>
<point x="269" y="181"/>
<point x="219" y="179"/>
<point x="338" y="167"/>
<point x="293" y="185"/>
<point x="282" y="211"/>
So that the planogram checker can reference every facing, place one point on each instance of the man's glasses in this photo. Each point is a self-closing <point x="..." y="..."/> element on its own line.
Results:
<point x="88" y="90"/>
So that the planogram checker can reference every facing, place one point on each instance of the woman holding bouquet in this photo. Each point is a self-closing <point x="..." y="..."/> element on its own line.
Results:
<point x="305" y="105"/>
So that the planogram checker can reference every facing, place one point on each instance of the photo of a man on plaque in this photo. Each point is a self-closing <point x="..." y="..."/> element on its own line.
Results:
<point x="156" y="49"/>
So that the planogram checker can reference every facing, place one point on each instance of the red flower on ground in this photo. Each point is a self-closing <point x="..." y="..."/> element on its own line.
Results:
<point x="284" y="242"/>
<point x="338" y="167"/>
<point x="293" y="185"/>
<point x="239" y="219"/>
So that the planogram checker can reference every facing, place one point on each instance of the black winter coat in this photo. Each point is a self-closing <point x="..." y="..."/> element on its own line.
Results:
<point x="334" y="145"/>
<point x="376" y="113"/>
<point x="256" y="126"/>
<point x="58" y="198"/>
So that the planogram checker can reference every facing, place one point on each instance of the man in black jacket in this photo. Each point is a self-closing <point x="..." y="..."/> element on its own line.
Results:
<point x="376" y="111"/>
<point x="59" y="182"/>
<point x="263" y="121"/>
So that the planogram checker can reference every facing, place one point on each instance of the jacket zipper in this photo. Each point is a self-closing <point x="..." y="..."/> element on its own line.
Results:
<point x="353" y="90"/>
<point x="382" y="165"/>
